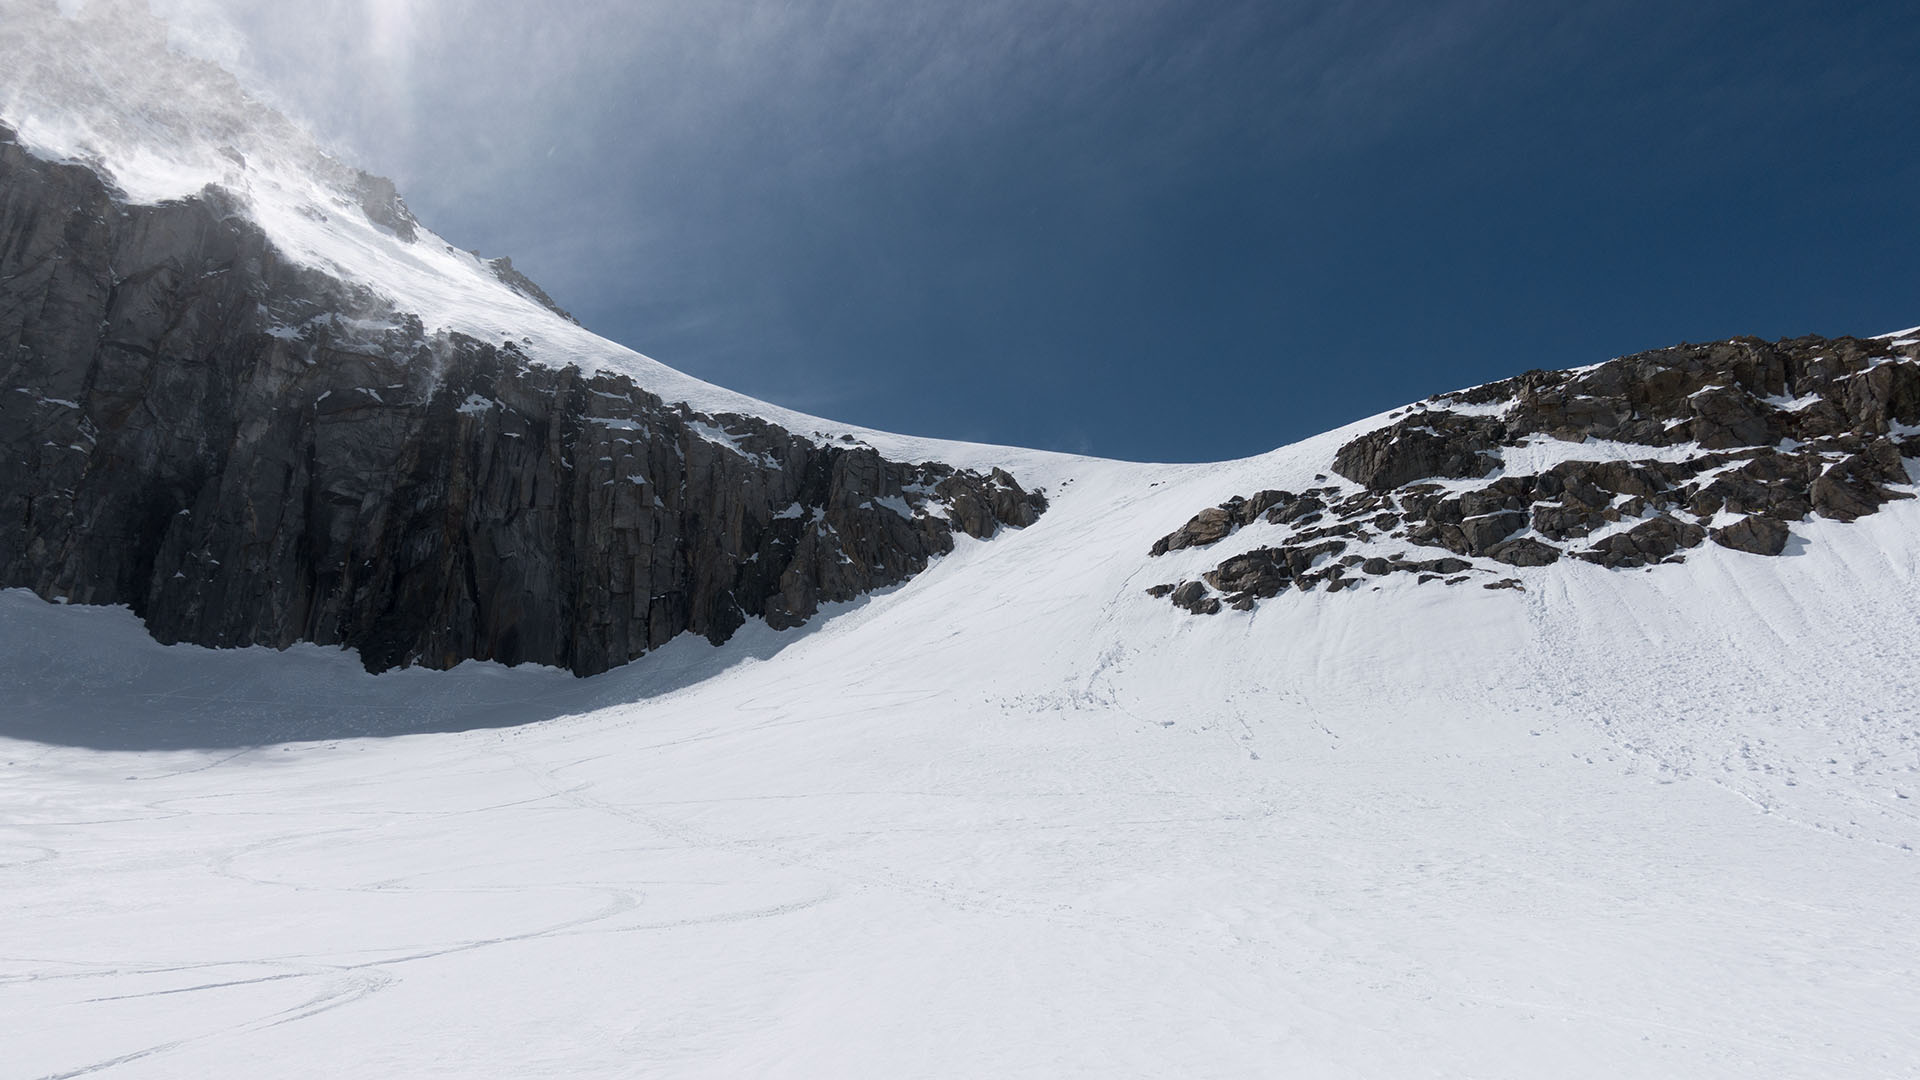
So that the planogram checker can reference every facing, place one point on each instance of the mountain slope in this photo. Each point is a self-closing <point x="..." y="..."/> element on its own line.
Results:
<point x="1012" y="813"/>
<point x="1019" y="817"/>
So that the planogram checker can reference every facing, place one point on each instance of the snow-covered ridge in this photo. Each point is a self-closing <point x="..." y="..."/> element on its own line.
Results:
<point x="104" y="90"/>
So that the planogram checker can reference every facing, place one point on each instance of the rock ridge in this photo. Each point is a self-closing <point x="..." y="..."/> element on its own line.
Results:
<point x="1637" y="460"/>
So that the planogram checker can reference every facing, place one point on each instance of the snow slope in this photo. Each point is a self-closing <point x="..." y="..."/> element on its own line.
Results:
<point x="1013" y="818"/>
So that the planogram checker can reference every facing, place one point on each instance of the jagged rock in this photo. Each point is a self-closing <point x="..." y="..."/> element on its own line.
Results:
<point x="979" y="506"/>
<point x="1564" y="522"/>
<point x="1295" y="509"/>
<point x="1207" y="527"/>
<point x="1883" y="395"/>
<point x="1262" y="572"/>
<point x="1423" y="445"/>
<point x="1584" y="480"/>
<point x="1417" y="500"/>
<point x="1754" y="533"/>
<point x="1524" y="551"/>
<point x="1526" y="386"/>
<point x="1494" y="498"/>
<point x="1012" y="504"/>
<point x="1651" y="541"/>
<point x="1481" y="533"/>
<point x="1853" y="488"/>
<point x="1217" y="522"/>
<point x="1248" y="510"/>
<point x="201" y="430"/>
<point x="1724" y="417"/>
<point x="1724" y="413"/>
<point x="382" y="204"/>
<point x="1192" y="596"/>
<point x="1301" y="559"/>
<point x="1775" y="484"/>
<point x="502" y="268"/>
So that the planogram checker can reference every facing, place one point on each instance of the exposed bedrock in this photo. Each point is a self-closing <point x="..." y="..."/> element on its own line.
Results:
<point x="248" y="452"/>
<point x="1638" y="460"/>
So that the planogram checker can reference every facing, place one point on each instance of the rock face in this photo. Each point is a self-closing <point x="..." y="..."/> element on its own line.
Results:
<point x="502" y="269"/>
<point x="248" y="452"/>
<point x="1657" y="452"/>
<point x="1441" y="445"/>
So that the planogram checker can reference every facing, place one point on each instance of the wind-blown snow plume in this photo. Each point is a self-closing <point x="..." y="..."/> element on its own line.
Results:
<point x="104" y="88"/>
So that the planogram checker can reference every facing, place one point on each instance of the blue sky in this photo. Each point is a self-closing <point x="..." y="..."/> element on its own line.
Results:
<point x="1173" y="231"/>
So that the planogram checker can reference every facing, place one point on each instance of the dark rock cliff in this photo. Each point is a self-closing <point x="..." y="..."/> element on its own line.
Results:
<point x="250" y="452"/>
<point x="1732" y="442"/>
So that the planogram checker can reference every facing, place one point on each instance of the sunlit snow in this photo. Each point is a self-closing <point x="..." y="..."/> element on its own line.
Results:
<point x="1011" y="818"/>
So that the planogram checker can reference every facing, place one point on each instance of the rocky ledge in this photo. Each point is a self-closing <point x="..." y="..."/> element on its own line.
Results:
<point x="1625" y="464"/>
<point x="248" y="452"/>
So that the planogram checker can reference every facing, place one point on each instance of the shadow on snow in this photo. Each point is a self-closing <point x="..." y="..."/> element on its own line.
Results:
<point x="91" y="677"/>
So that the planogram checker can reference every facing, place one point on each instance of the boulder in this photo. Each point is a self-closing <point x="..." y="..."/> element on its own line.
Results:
<point x="1261" y="572"/>
<point x="1855" y="487"/>
<point x="1524" y="551"/>
<point x="1755" y="534"/>
<point x="1245" y="511"/>
<point x="1651" y="541"/>
<point x="1193" y="597"/>
<point x="1206" y="527"/>
<point x="1564" y="522"/>
<point x="1482" y="533"/>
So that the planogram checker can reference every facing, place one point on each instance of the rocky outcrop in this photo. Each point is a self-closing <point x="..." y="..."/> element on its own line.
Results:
<point x="1216" y="522"/>
<point x="503" y="270"/>
<point x="382" y="204"/>
<point x="1754" y="534"/>
<point x="1733" y="441"/>
<point x="248" y="452"/>
<point x="1441" y="444"/>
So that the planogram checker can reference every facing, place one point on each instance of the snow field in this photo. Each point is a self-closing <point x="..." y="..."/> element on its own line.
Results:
<point x="1012" y="818"/>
